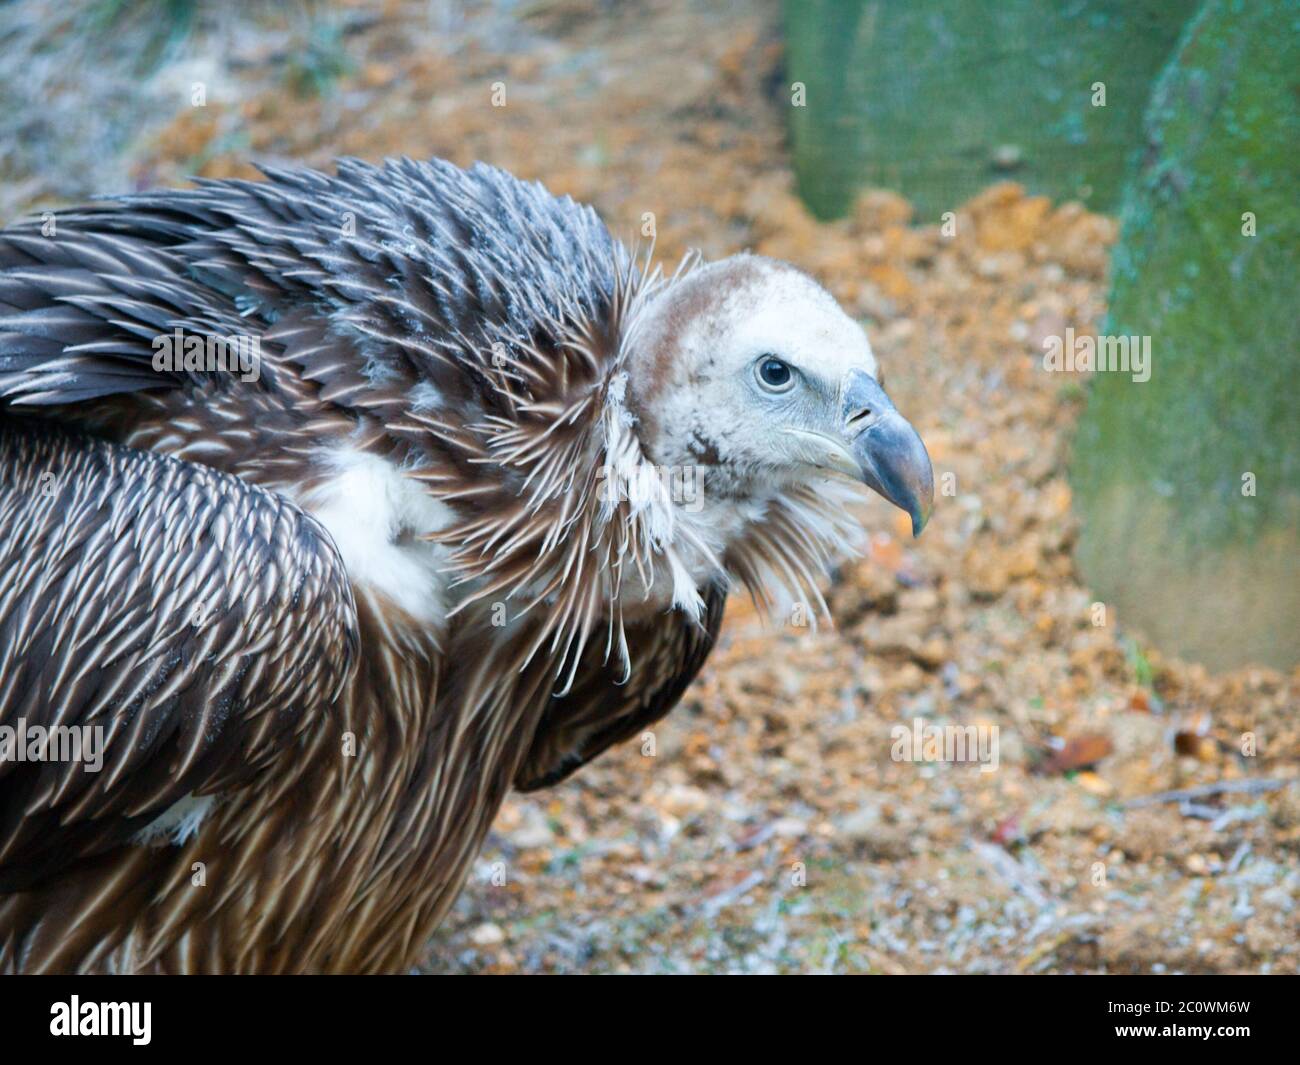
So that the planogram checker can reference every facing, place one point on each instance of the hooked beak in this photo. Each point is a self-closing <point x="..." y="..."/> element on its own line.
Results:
<point x="890" y="454"/>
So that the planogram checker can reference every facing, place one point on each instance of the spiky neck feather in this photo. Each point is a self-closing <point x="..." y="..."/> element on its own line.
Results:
<point x="580" y="528"/>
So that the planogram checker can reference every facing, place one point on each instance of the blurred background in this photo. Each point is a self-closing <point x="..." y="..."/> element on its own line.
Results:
<point x="1110" y="579"/>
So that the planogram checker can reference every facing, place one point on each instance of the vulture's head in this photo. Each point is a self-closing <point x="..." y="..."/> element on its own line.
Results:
<point x="749" y="368"/>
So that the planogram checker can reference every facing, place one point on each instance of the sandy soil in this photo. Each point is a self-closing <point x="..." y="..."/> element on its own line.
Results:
<point x="771" y="830"/>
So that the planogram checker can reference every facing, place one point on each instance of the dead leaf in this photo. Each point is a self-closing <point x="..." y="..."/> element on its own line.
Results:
<point x="1008" y="830"/>
<point x="1079" y="752"/>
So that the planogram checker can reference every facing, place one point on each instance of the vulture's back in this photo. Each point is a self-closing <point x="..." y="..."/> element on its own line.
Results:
<point x="401" y="277"/>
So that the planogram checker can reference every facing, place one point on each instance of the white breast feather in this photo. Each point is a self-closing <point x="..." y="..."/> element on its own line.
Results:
<point x="376" y="517"/>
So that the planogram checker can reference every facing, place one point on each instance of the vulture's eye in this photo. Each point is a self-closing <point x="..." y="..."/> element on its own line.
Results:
<point x="774" y="375"/>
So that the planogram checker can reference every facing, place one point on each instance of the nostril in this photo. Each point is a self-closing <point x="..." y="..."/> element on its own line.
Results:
<point x="858" y="417"/>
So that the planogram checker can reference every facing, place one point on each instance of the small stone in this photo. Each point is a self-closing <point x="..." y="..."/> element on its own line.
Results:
<point x="534" y="831"/>
<point x="487" y="935"/>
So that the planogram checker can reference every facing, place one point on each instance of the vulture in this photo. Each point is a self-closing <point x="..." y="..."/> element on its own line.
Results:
<point x="334" y="507"/>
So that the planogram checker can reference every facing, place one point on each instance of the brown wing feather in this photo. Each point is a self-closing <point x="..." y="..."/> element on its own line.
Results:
<point x="667" y="653"/>
<point x="421" y="264"/>
<point x="199" y="620"/>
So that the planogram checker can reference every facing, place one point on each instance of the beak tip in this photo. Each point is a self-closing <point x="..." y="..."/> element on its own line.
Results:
<point x="889" y="451"/>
